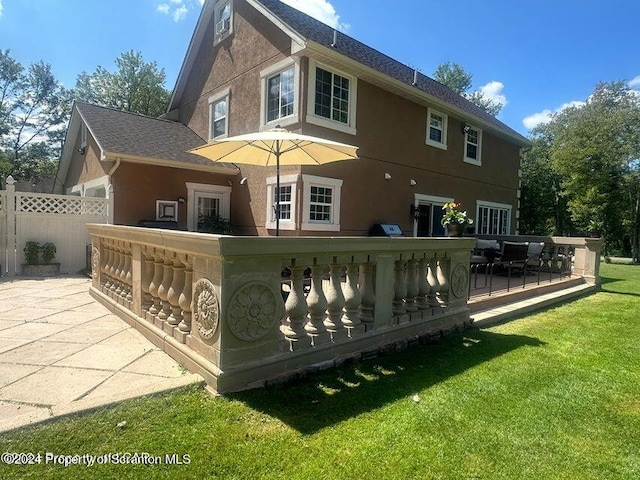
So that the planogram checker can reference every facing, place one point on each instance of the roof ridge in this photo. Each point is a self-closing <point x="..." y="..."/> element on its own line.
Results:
<point x="113" y="109"/>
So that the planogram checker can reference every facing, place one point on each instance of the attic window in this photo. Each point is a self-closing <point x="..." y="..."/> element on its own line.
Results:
<point x="83" y="136"/>
<point x="223" y="20"/>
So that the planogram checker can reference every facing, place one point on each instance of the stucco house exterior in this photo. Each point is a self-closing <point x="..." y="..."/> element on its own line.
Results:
<point x="255" y="64"/>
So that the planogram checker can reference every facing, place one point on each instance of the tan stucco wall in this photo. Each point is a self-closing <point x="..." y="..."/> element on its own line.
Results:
<point x="137" y="187"/>
<point x="84" y="168"/>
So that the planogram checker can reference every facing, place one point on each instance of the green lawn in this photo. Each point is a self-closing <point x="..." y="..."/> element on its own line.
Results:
<point x="551" y="396"/>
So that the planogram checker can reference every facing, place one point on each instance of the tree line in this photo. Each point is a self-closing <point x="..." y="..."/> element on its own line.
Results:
<point x="35" y="107"/>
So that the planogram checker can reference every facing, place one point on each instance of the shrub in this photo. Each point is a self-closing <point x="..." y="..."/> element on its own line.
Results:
<point x="31" y="252"/>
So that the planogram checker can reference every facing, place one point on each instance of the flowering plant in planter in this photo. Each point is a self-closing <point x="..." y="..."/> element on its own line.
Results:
<point x="453" y="215"/>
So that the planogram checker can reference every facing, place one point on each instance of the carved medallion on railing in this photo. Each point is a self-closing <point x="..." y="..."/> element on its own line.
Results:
<point x="206" y="312"/>
<point x="460" y="281"/>
<point x="253" y="311"/>
<point x="95" y="262"/>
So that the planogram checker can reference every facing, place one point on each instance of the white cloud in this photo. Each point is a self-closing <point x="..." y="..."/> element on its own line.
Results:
<point x="178" y="9"/>
<point x="0" y="8"/>
<point x="179" y="13"/>
<point x="533" y="120"/>
<point x="320" y="10"/>
<point x="493" y="91"/>
<point x="633" y="83"/>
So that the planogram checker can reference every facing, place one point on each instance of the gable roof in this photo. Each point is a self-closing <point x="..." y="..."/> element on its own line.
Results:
<point x="137" y="138"/>
<point x="390" y="73"/>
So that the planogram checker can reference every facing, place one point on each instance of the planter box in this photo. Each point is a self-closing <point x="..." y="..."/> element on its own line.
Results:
<point x="41" y="270"/>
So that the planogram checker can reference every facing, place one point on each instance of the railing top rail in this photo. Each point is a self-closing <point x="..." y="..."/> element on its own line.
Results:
<point x="221" y="245"/>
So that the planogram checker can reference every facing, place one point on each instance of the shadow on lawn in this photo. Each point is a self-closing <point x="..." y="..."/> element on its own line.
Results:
<point x="330" y="397"/>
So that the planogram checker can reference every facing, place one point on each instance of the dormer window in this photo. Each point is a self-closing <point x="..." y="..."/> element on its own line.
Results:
<point x="223" y="18"/>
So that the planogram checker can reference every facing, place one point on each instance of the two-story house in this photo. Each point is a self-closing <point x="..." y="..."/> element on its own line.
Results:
<point x="255" y="64"/>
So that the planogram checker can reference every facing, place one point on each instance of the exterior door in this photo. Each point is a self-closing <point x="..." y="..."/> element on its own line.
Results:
<point x="207" y="204"/>
<point x="429" y="220"/>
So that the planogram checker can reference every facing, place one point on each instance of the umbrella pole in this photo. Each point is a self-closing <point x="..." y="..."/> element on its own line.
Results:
<point x="277" y="188"/>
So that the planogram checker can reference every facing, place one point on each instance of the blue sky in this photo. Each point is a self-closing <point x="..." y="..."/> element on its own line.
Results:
<point x="536" y="55"/>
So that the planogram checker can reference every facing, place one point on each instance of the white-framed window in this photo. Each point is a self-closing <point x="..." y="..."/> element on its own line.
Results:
<point x="223" y="18"/>
<point x="280" y="87"/>
<point x="321" y="203"/>
<point x="288" y="193"/>
<point x="205" y="200"/>
<point x="437" y="128"/>
<point x="332" y="98"/>
<point x="219" y="115"/>
<point x="167" y="210"/>
<point x="83" y="136"/>
<point x="493" y="218"/>
<point x="473" y="146"/>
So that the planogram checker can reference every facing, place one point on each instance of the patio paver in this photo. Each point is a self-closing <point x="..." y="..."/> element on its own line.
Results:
<point x="62" y="352"/>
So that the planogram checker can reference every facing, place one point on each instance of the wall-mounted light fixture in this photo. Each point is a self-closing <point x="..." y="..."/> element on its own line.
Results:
<point x="387" y="176"/>
<point x="243" y="181"/>
<point x="465" y="128"/>
<point x="412" y="182"/>
<point x="181" y="200"/>
<point x="82" y="150"/>
<point x="414" y="212"/>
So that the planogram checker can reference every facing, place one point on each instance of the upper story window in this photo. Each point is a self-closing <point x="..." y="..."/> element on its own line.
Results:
<point x="223" y="18"/>
<point x="287" y="197"/>
<point x="279" y="98"/>
<point x="332" y="99"/>
<point x="321" y="203"/>
<point x="473" y="145"/>
<point x="493" y="218"/>
<point x="219" y="115"/>
<point x="437" y="129"/>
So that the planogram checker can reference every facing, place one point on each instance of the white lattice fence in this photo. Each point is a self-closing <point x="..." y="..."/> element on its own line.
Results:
<point x="60" y="204"/>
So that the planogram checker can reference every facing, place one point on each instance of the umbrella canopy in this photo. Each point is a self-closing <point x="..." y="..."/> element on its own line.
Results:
<point x="276" y="147"/>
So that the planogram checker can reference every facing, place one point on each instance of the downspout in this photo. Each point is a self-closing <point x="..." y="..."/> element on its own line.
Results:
<point x="109" y="192"/>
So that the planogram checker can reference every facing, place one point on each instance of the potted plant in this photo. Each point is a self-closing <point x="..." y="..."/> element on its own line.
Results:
<point x="39" y="260"/>
<point x="454" y="219"/>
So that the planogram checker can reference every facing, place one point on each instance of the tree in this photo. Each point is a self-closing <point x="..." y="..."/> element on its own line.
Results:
<point x="33" y="113"/>
<point x="459" y="80"/>
<point x="136" y="86"/>
<point x="590" y="154"/>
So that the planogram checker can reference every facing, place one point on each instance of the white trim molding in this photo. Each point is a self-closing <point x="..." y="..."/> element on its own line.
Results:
<point x="194" y="188"/>
<point x="350" y="126"/>
<point x="270" y="72"/>
<point x="285" y="181"/>
<point x="422" y="199"/>
<point x="335" y="184"/>
<point x="443" y="128"/>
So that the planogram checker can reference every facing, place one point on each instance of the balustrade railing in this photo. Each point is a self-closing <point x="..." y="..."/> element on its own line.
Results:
<point x="223" y="306"/>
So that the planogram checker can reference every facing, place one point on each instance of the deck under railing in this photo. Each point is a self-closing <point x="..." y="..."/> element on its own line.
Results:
<point x="244" y="310"/>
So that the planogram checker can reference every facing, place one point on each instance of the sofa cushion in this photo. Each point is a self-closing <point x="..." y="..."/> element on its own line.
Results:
<point x="482" y="244"/>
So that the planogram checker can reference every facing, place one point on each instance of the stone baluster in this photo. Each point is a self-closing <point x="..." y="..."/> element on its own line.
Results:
<point x="163" y="288"/>
<point x="158" y="262"/>
<point x="106" y="266"/>
<point x="432" y="279"/>
<point x="173" y="295"/>
<point x="351" y="292"/>
<point x="423" y="285"/>
<point x="399" y="288"/>
<point x="443" y="292"/>
<point x="412" y="286"/>
<point x="114" y="265"/>
<point x="116" y="288"/>
<point x="317" y="303"/>
<point x="367" y="296"/>
<point x="185" y="298"/>
<point x="335" y="299"/>
<point x="295" y="306"/>
<point x="147" y="277"/>
<point x="127" y="275"/>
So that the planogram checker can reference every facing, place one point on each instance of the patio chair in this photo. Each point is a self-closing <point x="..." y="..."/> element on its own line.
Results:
<point x="483" y="255"/>
<point x="534" y="257"/>
<point x="512" y="256"/>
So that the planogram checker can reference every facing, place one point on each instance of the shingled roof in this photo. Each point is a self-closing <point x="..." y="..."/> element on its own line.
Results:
<point x="316" y="31"/>
<point x="129" y="134"/>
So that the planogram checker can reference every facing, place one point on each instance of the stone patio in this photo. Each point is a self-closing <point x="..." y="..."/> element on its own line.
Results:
<point x="62" y="352"/>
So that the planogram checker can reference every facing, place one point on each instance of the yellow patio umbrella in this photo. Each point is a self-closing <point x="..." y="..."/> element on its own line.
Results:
<point x="276" y="147"/>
